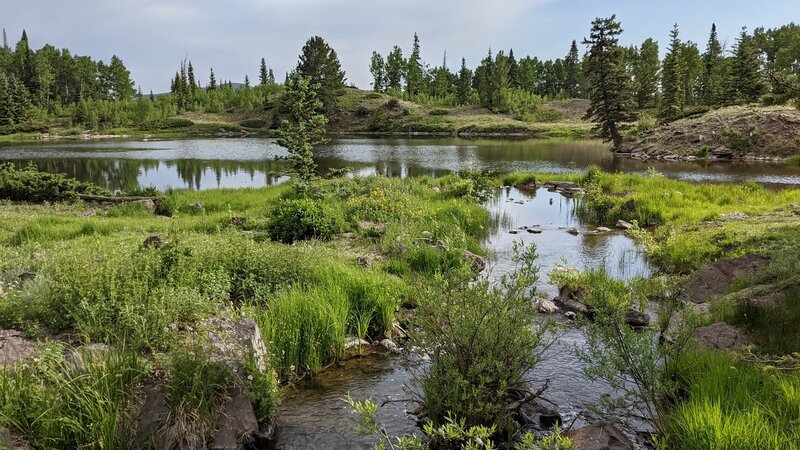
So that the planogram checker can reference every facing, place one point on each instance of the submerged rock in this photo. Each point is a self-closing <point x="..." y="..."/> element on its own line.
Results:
<point x="599" y="436"/>
<point x="573" y="231"/>
<point x="602" y="229"/>
<point x="720" y="336"/>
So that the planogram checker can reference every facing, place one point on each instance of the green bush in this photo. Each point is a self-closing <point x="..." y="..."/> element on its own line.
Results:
<point x="31" y="185"/>
<point x="438" y="112"/>
<point x="373" y="95"/>
<point x="253" y="123"/>
<point x="362" y="111"/>
<point x="393" y="103"/>
<point x="176" y="122"/>
<point x="295" y="220"/>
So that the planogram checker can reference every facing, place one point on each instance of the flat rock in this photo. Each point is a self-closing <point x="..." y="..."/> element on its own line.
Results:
<point x="545" y="306"/>
<point x="352" y="342"/>
<point x="720" y="336"/>
<point x="715" y="279"/>
<point x="389" y="344"/>
<point x="534" y="230"/>
<point x="623" y="225"/>
<point x="599" y="436"/>
<point x="14" y="347"/>
<point x="636" y="319"/>
<point x="602" y="229"/>
<point x="573" y="231"/>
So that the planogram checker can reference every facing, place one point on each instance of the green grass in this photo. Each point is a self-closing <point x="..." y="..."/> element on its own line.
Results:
<point x="734" y="405"/>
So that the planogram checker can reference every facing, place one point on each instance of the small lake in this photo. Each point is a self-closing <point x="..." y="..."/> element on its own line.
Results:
<point x="250" y="162"/>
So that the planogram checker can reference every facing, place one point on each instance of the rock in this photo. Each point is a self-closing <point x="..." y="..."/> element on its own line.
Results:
<point x="551" y="200"/>
<point x="599" y="436"/>
<point x="153" y="242"/>
<point x="573" y="231"/>
<point x="570" y="315"/>
<point x="623" y="225"/>
<point x="602" y="229"/>
<point x="372" y="227"/>
<point x="571" y="304"/>
<point x="236" y="424"/>
<point x="513" y="231"/>
<point x="14" y="347"/>
<point x="715" y="279"/>
<point x="389" y="344"/>
<point x="636" y="319"/>
<point x="427" y="234"/>
<point x="234" y="341"/>
<point x="397" y="332"/>
<point x="734" y="216"/>
<point x="238" y="221"/>
<point x="534" y="230"/>
<point x="720" y="336"/>
<point x="364" y="261"/>
<point x="477" y="263"/>
<point x="198" y="205"/>
<point x="352" y="342"/>
<point x="150" y="205"/>
<point x="545" y="306"/>
<point x="151" y="429"/>
<point x="12" y="441"/>
<point x="549" y="418"/>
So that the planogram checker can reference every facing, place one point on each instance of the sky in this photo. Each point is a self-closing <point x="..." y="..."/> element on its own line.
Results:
<point x="153" y="36"/>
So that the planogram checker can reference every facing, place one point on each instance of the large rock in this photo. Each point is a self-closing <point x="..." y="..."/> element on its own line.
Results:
<point x="636" y="319"/>
<point x="476" y="262"/>
<point x="545" y="306"/>
<point x="570" y="301"/>
<point x="236" y="426"/>
<point x="720" y="336"/>
<point x="715" y="279"/>
<point x="233" y="341"/>
<point x="599" y="436"/>
<point x="14" y="347"/>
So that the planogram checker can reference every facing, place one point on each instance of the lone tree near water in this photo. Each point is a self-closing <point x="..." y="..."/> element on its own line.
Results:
<point x="319" y="62"/>
<point x="608" y="80"/>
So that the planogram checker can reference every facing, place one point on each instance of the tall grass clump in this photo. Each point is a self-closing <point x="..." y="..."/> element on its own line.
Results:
<point x="56" y="403"/>
<point x="732" y="405"/>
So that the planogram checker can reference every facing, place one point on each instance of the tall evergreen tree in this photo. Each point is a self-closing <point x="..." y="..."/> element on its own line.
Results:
<point x="263" y="75"/>
<point x="693" y="64"/>
<point x="513" y="70"/>
<point x="121" y="84"/>
<point x="571" y="67"/>
<point x="646" y="74"/>
<point x="414" y="69"/>
<point x="464" y="83"/>
<point x="319" y="62"/>
<point x="747" y="82"/>
<point x="395" y="69"/>
<point x="192" y="82"/>
<point x="485" y="80"/>
<point x="271" y="77"/>
<point x="607" y="79"/>
<point x="673" y="95"/>
<point x="246" y="82"/>
<point x="712" y="84"/>
<point x="212" y="81"/>
<point x="377" y="67"/>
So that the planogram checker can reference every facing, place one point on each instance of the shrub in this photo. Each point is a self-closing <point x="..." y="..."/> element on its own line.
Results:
<point x="31" y="185"/>
<point x="176" y="122"/>
<point x="295" y="220"/>
<point x="438" y="112"/>
<point x="393" y="103"/>
<point x="253" y="123"/>
<point x="480" y="342"/>
<point x="362" y="111"/>
<point x="373" y="95"/>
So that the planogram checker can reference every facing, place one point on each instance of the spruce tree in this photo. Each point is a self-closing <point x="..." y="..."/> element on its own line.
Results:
<point x="607" y="80"/>
<point x="246" y="82"/>
<point x="693" y="64"/>
<point x="120" y="83"/>
<point x="319" y="62"/>
<point x="271" y="77"/>
<point x="571" y="67"/>
<point x="395" y="70"/>
<point x="672" y="80"/>
<point x="502" y="68"/>
<point x="747" y="81"/>
<point x="192" y="82"/>
<point x="513" y="70"/>
<point x="414" y="70"/>
<point x="712" y="84"/>
<point x="212" y="81"/>
<point x="485" y="81"/>
<point x="263" y="75"/>
<point x="377" y="67"/>
<point x="464" y="84"/>
<point x="646" y="74"/>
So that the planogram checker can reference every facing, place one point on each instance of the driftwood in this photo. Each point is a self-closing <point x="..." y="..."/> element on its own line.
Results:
<point x="103" y="198"/>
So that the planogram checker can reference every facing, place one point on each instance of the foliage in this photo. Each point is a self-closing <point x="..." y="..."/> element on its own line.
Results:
<point x="480" y="342"/>
<point x="319" y="63"/>
<point x="31" y="185"/>
<point x="304" y="218"/>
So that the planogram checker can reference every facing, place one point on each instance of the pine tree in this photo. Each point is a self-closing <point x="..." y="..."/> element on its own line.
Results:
<point x="271" y="77"/>
<point x="747" y="82"/>
<point x="502" y="68"/>
<point x="513" y="70"/>
<point x="263" y="75"/>
<point x="246" y="82"/>
<point x="377" y="67"/>
<point x="464" y="84"/>
<point x="414" y="70"/>
<point x="607" y="79"/>
<point x="152" y="97"/>
<point x="672" y="80"/>
<point x="646" y="74"/>
<point x="395" y="69"/>
<point x="192" y="82"/>
<point x="319" y="62"/>
<point x="712" y="84"/>
<point x="120" y="83"/>
<point x="693" y="64"/>
<point x="212" y="81"/>
<point x="571" y="67"/>
<point x="485" y="80"/>
<point x="302" y="130"/>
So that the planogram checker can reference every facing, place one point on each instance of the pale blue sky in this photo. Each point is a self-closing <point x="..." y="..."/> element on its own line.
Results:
<point x="152" y="36"/>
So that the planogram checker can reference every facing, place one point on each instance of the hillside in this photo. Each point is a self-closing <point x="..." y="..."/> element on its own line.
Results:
<point x="747" y="133"/>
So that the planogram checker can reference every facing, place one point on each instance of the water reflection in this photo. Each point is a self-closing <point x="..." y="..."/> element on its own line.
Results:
<point x="214" y="163"/>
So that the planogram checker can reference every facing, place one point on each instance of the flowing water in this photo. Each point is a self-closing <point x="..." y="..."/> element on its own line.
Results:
<point x="312" y="414"/>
